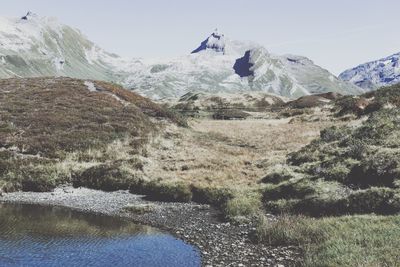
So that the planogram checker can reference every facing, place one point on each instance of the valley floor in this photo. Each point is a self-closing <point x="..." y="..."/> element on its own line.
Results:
<point x="233" y="153"/>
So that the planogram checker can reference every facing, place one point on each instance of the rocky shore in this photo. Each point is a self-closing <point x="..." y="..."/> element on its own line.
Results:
<point x="221" y="243"/>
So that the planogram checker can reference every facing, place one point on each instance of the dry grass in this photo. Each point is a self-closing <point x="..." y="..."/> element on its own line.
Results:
<point x="53" y="127"/>
<point x="227" y="153"/>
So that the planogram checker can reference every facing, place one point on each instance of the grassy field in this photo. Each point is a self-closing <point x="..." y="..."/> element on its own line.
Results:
<point x="227" y="153"/>
<point x="310" y="162"/>
<point x="366" y="240"/>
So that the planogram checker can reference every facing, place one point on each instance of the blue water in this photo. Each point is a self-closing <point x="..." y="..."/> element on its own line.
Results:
<point x="38" y="236"/>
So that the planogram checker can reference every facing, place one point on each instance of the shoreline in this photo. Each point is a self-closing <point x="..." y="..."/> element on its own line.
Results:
<point x="220" y="243"/>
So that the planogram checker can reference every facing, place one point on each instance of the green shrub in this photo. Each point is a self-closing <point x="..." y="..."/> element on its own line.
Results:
<point x="318" y="206"/>
<point x="293" y="189"/>
<point x="230" y="114"/>
<point x="33" y="177"/>
<point x="281" y="206"/>
<point x="289" y="230"/>
<point x="217" y="197"/>
<point x="335" y="172"/>
<point x="374" y="200"/>
<point x="161" y="191"/>
<point x="38" y="184"/>
<point x="243" y="205"/>
<point x="377" y="169"/>
<point x="334" y="134"/>
<point x="278" y="174"/>
<point x="107" y="177"/>
<point x="309" y="153"/>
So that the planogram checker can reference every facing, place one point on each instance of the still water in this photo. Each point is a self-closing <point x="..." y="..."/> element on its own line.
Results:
<point x="50" y="236"/>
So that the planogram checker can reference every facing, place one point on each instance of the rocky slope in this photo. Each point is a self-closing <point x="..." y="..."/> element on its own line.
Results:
<point x="374" y="74"/>
<point x="221" y="65"/>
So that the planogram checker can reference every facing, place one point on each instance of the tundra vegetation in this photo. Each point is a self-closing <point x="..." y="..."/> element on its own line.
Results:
<point x="328" y="166"/>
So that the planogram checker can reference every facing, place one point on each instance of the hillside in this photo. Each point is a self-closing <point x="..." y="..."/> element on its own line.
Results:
<point x="52" y="128"/>
<point x="351" y="169"/>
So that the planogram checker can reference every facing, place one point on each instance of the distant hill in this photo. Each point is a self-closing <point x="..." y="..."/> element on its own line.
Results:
<point x="374" y="74"/>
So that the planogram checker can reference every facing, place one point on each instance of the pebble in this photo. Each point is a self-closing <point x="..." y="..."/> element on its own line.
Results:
<point x="221" y="243"/>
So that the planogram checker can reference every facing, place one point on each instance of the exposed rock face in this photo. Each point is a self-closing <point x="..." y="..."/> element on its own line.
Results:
<point x="375" y="74"/>
<point x="243" y="66"/>
<point x="216" y="42"/>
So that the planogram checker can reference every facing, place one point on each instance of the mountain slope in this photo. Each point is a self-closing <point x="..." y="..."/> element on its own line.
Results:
<point x="221" y="65"/>
<point x="374" y="74"/>
<point x="35" y="46"/>
<point x="292" y="76"/>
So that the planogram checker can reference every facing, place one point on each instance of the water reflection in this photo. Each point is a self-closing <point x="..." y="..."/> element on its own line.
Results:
<point x="51" y="236"/>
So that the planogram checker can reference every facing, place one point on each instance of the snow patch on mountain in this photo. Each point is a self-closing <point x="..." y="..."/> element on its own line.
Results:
<point x="243" y="66"/>
<point x="215" y="42"/>
<point x="34" y="46"/>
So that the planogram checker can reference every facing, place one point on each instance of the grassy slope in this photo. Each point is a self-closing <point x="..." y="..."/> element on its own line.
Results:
<point x="366" y="240"/>
<point x="54" y="128"/>
<point x="349" y="170"/>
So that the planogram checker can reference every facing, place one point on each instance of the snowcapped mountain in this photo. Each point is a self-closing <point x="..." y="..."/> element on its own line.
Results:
<point x="216" y="42"/>
<point x="223" y="65"/>
<point x="375" y="74"/>
<point x="35" y="46"/>
<point x="288" y="75"/>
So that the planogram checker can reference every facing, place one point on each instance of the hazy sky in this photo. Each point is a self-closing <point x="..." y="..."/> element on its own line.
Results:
<point x="335" y="34"/>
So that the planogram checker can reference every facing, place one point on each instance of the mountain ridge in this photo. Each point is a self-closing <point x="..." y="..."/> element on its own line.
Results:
<point x="374" y="74"/>
<point x="34" y="46"/>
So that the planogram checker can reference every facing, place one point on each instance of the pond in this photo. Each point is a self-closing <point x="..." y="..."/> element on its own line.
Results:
<point x="32" y="235"/>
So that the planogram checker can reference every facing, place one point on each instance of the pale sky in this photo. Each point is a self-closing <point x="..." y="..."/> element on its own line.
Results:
<point x="334" y="34"/>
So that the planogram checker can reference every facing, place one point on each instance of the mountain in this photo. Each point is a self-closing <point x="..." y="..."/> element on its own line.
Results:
<point x="222" y="65"/>
<point x="34" y="46"/>
<point x="374" y="74"/>
<point x="288" y="75"/>
<point x="215" y="42"/>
